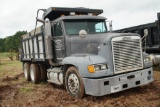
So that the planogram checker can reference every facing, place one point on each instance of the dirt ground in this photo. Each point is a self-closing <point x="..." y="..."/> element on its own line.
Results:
<point x="16" y="92"/>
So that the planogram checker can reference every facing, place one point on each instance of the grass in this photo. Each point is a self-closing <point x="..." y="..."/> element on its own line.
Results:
<point x="5" y="55"/>
<point x="12" y="68"/>
<point x="8" y="67"/>
<point x="25" y="89"/>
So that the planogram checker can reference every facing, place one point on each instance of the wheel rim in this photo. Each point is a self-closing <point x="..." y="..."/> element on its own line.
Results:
<point x="32" y="74"/>
<point x="73" y="83"/>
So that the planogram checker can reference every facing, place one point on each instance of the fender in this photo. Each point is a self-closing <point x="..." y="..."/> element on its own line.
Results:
<point x="82" y="62"/>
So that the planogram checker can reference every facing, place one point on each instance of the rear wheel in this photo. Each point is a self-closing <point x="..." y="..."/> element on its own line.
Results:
<point x="35" y="73"/>
<point x="43" y="73"/>
<point x="74" y="83"/>
<point x="27" y="71"/>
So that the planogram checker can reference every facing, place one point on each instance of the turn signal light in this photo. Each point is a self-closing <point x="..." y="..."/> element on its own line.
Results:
<point x="91" y="69"/>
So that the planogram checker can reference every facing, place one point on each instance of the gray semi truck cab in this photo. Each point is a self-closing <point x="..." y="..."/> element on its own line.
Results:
<point x="74" y="48"/>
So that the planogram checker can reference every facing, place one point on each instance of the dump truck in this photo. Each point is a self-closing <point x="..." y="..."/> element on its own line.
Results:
<point x="75" y="49"/>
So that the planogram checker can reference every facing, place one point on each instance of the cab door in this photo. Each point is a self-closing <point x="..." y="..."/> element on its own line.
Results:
<point x="58" y="41"/>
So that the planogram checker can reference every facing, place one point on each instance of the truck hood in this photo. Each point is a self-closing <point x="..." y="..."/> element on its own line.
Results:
<point x="98" y="38"/>
<point x="91" y="43"/>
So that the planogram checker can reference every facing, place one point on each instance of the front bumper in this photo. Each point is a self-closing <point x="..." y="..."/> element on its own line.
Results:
<point x="107" y="85"/>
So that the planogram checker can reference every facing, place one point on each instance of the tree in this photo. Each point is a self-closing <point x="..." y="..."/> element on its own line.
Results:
<point x="7" y="43"/>
<point x="1" y="45"/>
<point x="11" y="42"/>
<point x="16" y="40"/>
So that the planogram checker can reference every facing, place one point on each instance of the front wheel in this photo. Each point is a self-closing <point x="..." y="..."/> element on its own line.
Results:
<point x="74" y="83"/>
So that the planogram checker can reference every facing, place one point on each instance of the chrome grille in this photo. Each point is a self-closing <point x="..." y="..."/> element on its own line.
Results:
<point x="127" y="54"/>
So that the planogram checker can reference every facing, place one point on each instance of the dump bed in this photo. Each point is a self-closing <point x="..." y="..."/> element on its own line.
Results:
<point x="33" y="45"/>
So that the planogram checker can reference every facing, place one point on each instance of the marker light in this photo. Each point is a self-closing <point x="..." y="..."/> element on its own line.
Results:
<point x="91" y="69"/>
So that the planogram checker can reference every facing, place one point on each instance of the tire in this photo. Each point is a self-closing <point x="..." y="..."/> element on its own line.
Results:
<point x="35" y="73"/>
<point x="74" y="83"/>
<point x="43" y="73"/>
<point x="27" y="71"/>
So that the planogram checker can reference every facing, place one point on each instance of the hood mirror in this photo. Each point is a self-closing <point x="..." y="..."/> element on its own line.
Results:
<point x="83" y="33"/>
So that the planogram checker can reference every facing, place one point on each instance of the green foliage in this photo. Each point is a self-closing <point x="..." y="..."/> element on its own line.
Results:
<point x="1" y="45"/>
<point x="7" y="43"/>
<point x="6" y="54"/>
<point x="11" y="42"/>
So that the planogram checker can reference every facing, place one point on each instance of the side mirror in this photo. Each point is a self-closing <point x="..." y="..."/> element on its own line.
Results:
<point x="144" y="38"/>
<point x="145" y="32"/>
<point x="110" y="25"/>
<point x="82" y="33"/>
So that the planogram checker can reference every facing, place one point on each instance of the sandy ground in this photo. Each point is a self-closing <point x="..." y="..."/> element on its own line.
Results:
<point x="16" y="92"/>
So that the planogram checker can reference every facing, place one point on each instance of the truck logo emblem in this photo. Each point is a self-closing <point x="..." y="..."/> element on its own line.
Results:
<point x="58" y="44"/>
<point x="126" y="38"/>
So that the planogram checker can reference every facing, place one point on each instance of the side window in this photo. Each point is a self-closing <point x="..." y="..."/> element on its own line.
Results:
<point x="100" y="27"/>
<point x="57" y="29"/>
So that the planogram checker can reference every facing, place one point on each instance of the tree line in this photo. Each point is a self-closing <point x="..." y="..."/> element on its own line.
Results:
<point x="11" y="43"/>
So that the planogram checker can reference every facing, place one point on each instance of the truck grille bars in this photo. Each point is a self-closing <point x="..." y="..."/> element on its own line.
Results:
<point x="127" y="53"/>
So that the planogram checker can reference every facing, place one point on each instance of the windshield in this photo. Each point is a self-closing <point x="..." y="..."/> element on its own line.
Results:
<point x="73" y="27"/>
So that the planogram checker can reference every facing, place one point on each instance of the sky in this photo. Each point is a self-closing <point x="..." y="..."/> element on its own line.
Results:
<point x="20" y="15"/>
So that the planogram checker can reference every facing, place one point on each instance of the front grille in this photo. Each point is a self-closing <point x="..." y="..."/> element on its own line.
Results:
<point x="127" y="53"/>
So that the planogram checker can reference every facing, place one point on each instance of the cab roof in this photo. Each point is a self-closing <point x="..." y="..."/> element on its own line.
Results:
<point x="79" y="17"/>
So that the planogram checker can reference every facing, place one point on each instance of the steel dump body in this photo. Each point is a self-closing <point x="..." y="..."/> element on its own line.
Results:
<point x="77" y="51"/>
<point x="33" y="45"/>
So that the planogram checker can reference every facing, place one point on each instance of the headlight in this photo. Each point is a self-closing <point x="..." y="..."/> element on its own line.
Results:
<point x="146" y="59"/>
<point x="104" y="67"/>
<point x="97" y="67"/>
